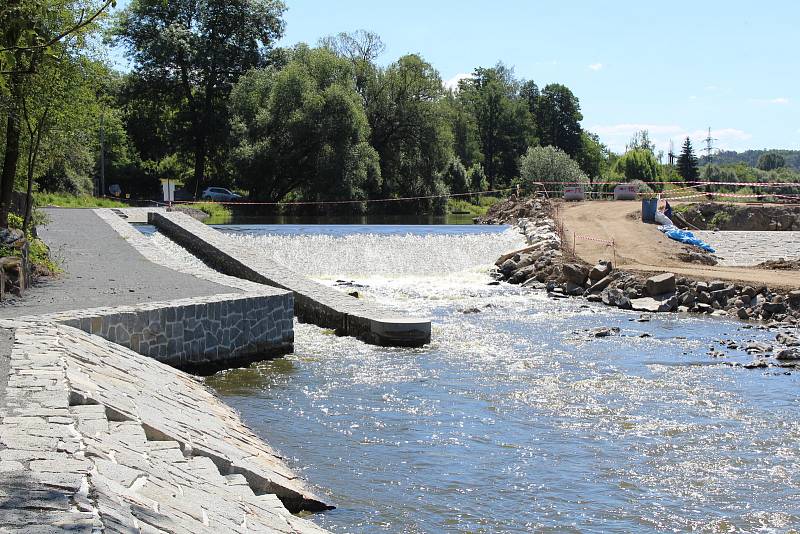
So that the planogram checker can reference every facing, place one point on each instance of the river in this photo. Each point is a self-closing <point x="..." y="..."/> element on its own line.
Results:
<point x="516" y="418"/>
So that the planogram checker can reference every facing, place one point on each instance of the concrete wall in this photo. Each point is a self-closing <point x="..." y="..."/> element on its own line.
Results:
<point x="201" y="334"/>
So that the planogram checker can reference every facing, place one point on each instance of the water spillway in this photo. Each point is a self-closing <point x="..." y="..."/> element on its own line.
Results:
<point x="314" y="302"/>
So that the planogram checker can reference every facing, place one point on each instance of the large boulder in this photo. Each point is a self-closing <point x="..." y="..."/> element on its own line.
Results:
<point x="661" y="284"/>
<point x="600" y="271"/>
<point x="575" y="273"/>
<point x="650" y="304"/>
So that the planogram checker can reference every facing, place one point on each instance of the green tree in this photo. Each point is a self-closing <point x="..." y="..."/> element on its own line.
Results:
<point x="771" y="161"/>
<point x="477" y="178"/>
<point x="558" y="117"/>
<point x="409" y="128"/>
<point x="503" y="119"/>
<point x="641" y="141"/>
<point x="687" y="162"/>
<point x="455" y="176"/>
<point x="193" y="52"/>
<point x="593" y="156"/>
<point x="32" y="35"/>
<point x="302" y="130"/>
<point x="638" y="164"/>
<point x="550" y="167"/>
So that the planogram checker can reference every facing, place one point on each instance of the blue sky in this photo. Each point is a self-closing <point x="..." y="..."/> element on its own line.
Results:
<point x="675" y="68"/>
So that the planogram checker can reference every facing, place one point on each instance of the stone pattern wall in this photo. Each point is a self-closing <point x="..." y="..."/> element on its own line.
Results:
<point x="203" y="333"/>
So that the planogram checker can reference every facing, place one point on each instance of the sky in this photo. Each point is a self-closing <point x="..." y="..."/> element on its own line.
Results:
<point x="674" y="68"/>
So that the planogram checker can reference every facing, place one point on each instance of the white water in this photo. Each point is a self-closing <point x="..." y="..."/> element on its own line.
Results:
<point x="360" y="255"/>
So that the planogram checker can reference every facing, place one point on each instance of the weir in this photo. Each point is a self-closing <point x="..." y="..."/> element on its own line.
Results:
<point x="313" y="302"/>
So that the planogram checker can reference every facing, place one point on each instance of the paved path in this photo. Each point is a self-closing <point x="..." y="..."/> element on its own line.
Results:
<point x="752" y="248"/>
<point x="102" y="269"/>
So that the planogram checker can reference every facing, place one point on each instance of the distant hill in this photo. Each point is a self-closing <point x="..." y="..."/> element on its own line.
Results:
<point x="750" y="157"/>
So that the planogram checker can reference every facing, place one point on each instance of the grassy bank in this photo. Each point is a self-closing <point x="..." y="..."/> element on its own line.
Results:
<point x="63" y="200"/>
<point x="218" y="213"/>
<point x="461" y="205"/>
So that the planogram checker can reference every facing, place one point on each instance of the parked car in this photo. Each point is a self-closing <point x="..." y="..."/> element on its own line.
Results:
<point x="220" y="194"/>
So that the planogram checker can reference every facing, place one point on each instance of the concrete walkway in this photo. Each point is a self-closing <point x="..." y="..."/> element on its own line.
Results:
<point x="101" y="269"/>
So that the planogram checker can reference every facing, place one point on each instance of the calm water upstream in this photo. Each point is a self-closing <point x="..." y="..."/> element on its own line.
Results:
<point x="515" y="419"/>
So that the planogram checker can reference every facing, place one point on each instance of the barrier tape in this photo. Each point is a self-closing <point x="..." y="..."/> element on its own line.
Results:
<point x="590" y="238"/>
<point x="335" y="202"/>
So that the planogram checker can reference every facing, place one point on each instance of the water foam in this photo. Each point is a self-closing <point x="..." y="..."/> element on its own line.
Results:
<point x="365" y="255"/>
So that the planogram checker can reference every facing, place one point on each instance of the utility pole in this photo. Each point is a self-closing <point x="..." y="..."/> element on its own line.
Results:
<point x="709" y="149"/>
<point x="102" y="154"/>
<point x="671" y="154"/>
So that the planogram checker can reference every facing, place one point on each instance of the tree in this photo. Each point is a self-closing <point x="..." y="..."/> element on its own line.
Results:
<point x="455" y="176"/>
<point x="503" y="119"/>
<point x="551" y="167"/>
<point x="303" y="131"/>
<point x="193" y="52"/>
<point x="593" y="156"/>
<point x="771" y="161"/>
<point x="477" y="178"/>
<point x="687" y="162"/>
<point x="638" y="164"/>
<point x="558" y="117"/>
<point x="641" y="141"/>
<point x="33" y="38"/>
<point x="409" y="128"/>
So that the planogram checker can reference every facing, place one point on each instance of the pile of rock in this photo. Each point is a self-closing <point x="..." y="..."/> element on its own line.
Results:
<point x="511" y="210"/>
<point x="719" y="216"/>
<point x="543" y="265"/>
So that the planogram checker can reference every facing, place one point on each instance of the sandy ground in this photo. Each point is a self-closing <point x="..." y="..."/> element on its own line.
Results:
<point x="641" y="247"/>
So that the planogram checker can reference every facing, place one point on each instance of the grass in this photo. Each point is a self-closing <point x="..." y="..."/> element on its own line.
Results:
<point x="461" y="205"/>
<point x="217" y="212"/>
<point x="63" y="200"/>
<point x="38" y="253"/>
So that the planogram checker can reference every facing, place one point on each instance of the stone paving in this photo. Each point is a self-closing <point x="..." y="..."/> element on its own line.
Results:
<point x="98" y="438"/>
<point x="751" y="248"/>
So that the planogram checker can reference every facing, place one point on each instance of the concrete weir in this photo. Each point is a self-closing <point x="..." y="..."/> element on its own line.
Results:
<point x="313" y="303"/>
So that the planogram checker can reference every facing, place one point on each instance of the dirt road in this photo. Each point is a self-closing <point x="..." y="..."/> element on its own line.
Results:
<point x="641" y="247"/>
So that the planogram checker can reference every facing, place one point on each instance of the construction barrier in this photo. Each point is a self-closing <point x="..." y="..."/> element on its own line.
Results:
<point x="607" y="242"/>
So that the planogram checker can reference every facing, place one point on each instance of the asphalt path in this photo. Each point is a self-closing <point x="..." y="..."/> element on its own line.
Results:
<point x="100" y="269"/>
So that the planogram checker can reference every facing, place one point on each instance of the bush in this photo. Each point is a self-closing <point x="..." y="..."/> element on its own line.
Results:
<point x="551" y="167"/>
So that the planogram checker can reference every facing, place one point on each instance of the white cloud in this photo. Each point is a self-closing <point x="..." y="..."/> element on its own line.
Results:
<point x="779" y="100"/>
<point x="616" y="136"/>
<point x="452" y="83"/>
<point x="711" y="87"/>
<point x="596" y="66"/>
<point x="692" y="97"/>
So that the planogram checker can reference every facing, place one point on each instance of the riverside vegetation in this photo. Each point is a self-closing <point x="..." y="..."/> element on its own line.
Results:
<point x="544" y="265"/>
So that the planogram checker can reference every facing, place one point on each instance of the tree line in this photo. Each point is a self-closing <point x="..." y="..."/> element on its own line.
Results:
<point x="211" y="100"/>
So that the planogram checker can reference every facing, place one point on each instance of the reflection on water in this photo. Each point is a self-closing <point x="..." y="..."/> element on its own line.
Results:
<point x="262" y="376"/>
<point x="518" y="419"/>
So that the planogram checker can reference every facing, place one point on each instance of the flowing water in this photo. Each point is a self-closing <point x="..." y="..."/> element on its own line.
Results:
<point x="515" y="418"/>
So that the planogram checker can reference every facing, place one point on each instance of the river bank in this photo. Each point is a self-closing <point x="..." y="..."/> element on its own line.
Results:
<point x="549" y="264"/>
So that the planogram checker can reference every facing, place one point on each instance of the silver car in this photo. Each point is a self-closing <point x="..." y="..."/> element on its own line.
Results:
<point x="220" y="194"/>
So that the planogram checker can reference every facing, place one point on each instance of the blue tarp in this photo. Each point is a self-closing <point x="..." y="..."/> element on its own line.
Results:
<point x="685" y="236"/>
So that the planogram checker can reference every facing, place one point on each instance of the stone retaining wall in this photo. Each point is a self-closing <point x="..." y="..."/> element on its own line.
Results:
<point x="199" y="334"/>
